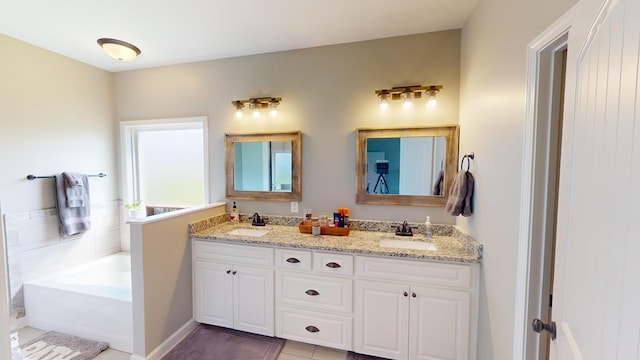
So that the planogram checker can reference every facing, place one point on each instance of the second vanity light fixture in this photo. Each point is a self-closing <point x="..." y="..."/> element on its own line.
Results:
<point x="256" y="105"/>
<point x="407" y="94"/>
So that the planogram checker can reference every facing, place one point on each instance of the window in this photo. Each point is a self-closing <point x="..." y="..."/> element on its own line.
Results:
<point x="165" y="162"/>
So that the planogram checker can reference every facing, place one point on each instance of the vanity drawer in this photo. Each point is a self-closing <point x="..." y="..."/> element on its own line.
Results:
<point x="314" y="328"/>
<point x="231" y="253"/>
<point x="318" y="292"/>
<point x="293" y="259"/>
<point x="415" y="272"/>
<point x="329" y="263"/>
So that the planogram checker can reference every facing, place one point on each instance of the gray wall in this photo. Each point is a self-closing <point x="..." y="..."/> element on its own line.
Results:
<point x="493" y="75"/>
<point x="327" y="93"/>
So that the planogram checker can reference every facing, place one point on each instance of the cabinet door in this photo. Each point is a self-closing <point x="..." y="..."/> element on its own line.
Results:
<point x="382" y="319"/>
<point x="213" y="291"/>
<point x="253" y="295"/>
<point x="439" y="324"/>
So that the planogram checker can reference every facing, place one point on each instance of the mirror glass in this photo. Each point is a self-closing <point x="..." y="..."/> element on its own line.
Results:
<point x="410" y="166"/>
<point x="263" y="166"/>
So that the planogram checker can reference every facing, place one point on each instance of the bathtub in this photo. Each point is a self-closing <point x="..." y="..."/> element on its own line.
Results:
<point x="92" y="300"/>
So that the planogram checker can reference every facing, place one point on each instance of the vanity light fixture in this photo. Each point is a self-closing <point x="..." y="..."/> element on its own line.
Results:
<point x="118" y="49"/>
<point x="256" y="105"/>
<point x="407" y="94"/>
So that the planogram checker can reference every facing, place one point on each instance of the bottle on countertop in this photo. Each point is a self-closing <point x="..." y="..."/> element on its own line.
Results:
<point x="427" y="228"/>
<point x="234" y="217"/>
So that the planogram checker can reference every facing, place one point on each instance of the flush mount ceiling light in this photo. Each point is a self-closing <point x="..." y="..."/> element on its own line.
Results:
<point x="256" y="105"/>
<point x="407" y="94"/>
<point x="118" y="49"/>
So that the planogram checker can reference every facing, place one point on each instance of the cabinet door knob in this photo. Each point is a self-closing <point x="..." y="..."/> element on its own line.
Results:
<point x="312" y="292"/>
<point x="228" y="271"/>
<point x="413" y="295"/>
<point x="234" y="272"/>
<point x="312" y="329"/>
<point x="333" y="265"/>
<point x="293" y="260"/>
<point x="405" y="294"/>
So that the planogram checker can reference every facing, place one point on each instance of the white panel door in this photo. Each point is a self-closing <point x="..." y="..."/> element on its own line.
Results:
<point x="254" y="300"/>
<point x="439" y="324"/>
<point x="415" y="179"/>
<point x="213" y="294"/>
<point x="596" y="284"/>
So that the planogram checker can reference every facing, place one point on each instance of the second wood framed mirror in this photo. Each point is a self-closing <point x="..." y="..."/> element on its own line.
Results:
<point x="406" y="166"/>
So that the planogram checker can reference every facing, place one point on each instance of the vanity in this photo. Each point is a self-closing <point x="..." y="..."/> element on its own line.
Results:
<point x="371" y="292"/>
<point x="344" y="292"/>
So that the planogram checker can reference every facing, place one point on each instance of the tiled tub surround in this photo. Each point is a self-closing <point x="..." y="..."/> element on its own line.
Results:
<point x="364" y="238"/>
<point x="342" y="292"/>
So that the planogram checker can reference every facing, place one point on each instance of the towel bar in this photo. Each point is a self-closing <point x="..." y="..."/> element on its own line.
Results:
<point x="33" y="177"/>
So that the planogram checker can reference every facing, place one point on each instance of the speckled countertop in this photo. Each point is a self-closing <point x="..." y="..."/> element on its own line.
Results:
<point x="452" y="245"/>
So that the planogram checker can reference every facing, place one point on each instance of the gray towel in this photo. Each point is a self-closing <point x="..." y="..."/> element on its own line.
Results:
<point x="73" y="219"/>
<point x="438" y="185"/>
<point x="459" y="201"/>
<point x="74" y="189"/>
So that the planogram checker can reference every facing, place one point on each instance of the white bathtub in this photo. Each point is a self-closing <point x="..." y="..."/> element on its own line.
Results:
<point x="92" y="300"/>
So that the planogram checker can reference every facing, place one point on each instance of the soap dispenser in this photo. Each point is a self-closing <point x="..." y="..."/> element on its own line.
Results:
<point x="427" y="228"/>
<point x="234" y="217"/>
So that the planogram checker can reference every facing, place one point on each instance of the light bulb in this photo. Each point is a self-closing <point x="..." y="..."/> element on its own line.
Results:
<point x="256" y="114"/>
<point x="239" y="114"/>
<point x="273" y="111"/>
<point x="432" y="102"/>
<point x="407" y="104"/>
<point x="384" y="105"/>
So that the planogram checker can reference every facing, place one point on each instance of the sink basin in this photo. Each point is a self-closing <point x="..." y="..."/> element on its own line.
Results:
<point x="248" y="232"/>
<point x="408" y="244"/>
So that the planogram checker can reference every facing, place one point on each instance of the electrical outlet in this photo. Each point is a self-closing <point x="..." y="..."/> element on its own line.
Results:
<point x="294" y="206"/>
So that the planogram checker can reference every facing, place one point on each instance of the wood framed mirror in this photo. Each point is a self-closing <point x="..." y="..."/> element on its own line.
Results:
<point x="406" y="166"/>
<point x="264" y="166"/>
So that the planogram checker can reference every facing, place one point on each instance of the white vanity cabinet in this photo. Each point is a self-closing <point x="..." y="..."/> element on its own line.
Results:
<point x="314" y="297"/>
<point x="414" y="310"/>
<point x="233" y="286"/>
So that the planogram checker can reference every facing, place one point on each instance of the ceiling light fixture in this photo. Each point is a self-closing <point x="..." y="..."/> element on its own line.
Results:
<point x="118" y="49"/>
<point x="407" y="94"/>
<point x="256" y="105"/>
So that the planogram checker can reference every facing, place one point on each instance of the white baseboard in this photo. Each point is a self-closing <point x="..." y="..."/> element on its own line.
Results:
<point x="173" y="340"/>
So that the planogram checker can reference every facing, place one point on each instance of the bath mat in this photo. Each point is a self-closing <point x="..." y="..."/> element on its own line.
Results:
<point x="354" y="356"/>
<point x="53" y="345"/>
<point x="208" y="342"/>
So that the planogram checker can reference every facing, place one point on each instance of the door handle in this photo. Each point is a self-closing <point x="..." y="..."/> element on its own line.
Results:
<point x="539" y="326"/>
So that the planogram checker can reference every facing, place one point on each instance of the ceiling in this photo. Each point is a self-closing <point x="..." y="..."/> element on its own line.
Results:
<point x="171" y="31"/>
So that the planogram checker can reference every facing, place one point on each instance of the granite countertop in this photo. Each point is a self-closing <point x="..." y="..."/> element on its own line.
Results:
<point x="449" y="248"/>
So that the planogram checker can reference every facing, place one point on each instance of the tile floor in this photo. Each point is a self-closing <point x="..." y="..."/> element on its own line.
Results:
<point x="292" y="350"/>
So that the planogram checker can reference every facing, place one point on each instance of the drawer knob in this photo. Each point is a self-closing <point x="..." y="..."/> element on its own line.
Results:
<point x="405" y="294"/>
<point x="293" y="260"/>
<point x="234" y="272"/>
<point x="333" y="265"/>
<point x="228" y="271"/>
<point x="312" y="329"/>
<point x="312" y="292"/>
<point x="413" y="295"/>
